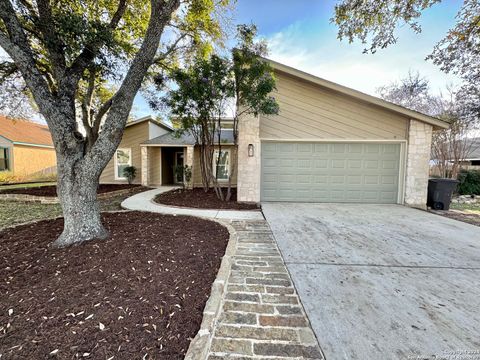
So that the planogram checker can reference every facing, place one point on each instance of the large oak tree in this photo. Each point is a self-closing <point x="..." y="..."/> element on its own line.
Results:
<point x="87" y="60"/>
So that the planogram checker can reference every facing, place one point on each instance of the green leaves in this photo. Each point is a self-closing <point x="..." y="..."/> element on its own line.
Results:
<point x="375" y="21"/>
<point x="205" y="88"/>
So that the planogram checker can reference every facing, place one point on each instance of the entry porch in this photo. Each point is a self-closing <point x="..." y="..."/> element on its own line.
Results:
<point x="162" y="164"/>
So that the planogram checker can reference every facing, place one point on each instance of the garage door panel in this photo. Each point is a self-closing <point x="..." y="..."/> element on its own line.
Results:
<point x="330" y="172"/>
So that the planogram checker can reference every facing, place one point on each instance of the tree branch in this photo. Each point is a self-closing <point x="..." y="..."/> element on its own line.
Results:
<point x="18" y="48"/>
<point x="110" y="136"/>
<point x="170" y="49"/>
<point x="51" y="40"/>
<point x="92" y="49"/>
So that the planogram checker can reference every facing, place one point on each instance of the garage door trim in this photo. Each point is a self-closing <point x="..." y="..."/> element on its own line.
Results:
<point x="402" y="158"/>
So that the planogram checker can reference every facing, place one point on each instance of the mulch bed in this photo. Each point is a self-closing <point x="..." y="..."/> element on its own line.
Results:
<point x="198" y="198"/>
<point x="473" y="219"/>
<point x="139" y="294"/>
<point x="51" y="190"/>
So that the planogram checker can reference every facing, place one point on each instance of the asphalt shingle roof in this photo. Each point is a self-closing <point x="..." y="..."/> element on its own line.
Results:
<point x="25" y="131"/>
<point x="186" y="139"/>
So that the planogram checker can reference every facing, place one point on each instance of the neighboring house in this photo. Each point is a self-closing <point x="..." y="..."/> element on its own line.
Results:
<point x="329" y="143"/>
<point x="26" y="148"/>
<point x="472" y="160"/>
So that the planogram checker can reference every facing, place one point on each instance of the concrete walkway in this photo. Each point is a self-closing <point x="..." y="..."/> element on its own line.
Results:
<point x="144" y="202"/>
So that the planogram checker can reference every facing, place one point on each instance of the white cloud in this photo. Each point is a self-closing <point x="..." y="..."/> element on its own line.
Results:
<point x="319" y="52"/>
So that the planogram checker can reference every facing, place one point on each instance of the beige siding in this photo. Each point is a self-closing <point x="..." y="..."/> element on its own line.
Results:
<point x="197" y="176"/>
<point x="154" y="158"/>
<point x="308" y="111"/>
<point x="29" y="160"/>
<point x="132" y="138"/>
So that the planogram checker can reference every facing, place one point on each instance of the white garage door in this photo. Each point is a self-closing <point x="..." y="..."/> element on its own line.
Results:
<point x="330" y="172"/>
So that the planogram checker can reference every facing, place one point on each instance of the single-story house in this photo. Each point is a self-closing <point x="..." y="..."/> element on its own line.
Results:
<point x="26" y="148"/>
<point x="329" y="143"/>
<point x="472" y="158"/>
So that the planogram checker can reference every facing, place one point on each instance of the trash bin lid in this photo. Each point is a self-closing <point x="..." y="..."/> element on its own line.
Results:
<point x="443" y="180"/>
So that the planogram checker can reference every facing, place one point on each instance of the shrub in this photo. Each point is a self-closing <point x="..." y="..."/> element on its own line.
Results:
<point x="130" y="172"/>
<point x="7" y="177"/>
<point x="469" y="182"/>
<point x="187" y="174"/>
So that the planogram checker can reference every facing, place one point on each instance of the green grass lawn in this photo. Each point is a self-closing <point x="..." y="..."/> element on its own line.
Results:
<point x="13" y="213"/>
<point x="466" y="207"/>
<point x="24" y="186"/>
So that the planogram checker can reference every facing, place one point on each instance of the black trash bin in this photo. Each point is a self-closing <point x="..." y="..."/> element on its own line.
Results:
<point x="440" y="193"/>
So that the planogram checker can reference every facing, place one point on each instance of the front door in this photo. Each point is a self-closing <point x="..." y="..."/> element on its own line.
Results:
<point x="178" y="173"/>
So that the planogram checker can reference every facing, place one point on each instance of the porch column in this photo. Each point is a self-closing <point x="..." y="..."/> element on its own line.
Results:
<point x="418" y="157"/>
<point x="145" y="170"/>
<point x="249" y="166"/>
<point x="188" y="160"/>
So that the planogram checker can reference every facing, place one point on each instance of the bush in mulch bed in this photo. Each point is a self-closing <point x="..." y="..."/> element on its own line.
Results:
<point x="51" y="190"/>
<point x="138" y="294"/>
<point x="198" y="198"/>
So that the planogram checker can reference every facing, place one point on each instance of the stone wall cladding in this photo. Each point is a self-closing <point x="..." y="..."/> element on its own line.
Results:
<point x="418" y="157"/>
<point x="145" y="170"/>
<point x="189" y="158"/>
<point x="54" y="200"/>
<point x="260" y="315"/>
<point x="248" y="181"/>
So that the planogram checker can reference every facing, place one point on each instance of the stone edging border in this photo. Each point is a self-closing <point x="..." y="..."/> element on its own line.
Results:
<point x="54" y="200"/>
<point x="200" y="344"/>
<point x="31" y="222"/>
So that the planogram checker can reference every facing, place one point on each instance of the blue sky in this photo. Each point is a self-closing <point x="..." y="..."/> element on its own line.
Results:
<point x="300" y="35"/>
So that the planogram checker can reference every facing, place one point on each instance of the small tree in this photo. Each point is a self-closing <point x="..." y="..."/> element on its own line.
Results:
<point x="254" y="82"/>
<point x="187" y="176"/>
<point x="130" y="172"/>
<point x="206" y="88"/>
<point x="199" y="103"/>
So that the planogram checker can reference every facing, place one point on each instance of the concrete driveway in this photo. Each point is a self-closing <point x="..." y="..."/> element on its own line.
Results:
<point x="383" y="281"/>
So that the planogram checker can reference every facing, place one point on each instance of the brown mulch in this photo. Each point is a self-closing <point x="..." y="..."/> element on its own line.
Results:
<point x="473" y="219"/>
<point x="51" y="190"/>
<point x="139" y="294"/>
<point x="199" y="199"/>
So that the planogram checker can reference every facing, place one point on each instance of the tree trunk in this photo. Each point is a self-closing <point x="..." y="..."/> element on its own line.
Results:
<point x="77" y="191"/>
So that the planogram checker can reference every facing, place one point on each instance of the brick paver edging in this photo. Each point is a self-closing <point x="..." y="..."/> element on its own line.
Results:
<point x="54" y="199"/>
<point x="255" y="313"/>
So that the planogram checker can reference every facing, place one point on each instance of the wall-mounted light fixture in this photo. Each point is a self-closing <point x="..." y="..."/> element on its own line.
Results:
<point x="250" y="150"/>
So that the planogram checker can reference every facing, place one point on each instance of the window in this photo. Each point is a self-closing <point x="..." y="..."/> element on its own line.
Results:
<point x="222" y="168"/>
<point x="123" y="158"/>
<point x="4" y="159"/>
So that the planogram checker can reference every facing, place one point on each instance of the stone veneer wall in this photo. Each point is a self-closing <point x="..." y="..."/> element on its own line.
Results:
<point x="418" y="157"/>
<point x="145" y="170"/>
<point x="248" y="181"/>
<point x="188" y="160"/>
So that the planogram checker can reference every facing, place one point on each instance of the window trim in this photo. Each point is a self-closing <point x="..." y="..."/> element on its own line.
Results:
<point x="129" y="150"/>
<point x="229" y="166"/>
<point x="7" y="154"/>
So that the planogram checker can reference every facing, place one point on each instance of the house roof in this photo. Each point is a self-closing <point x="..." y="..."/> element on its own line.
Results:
<point x="437" y="123"/>
<point x="186" y="138"/>
<point x="25" y="132"/>
<point x="151" y="119"/>
<point x="474" y="149"/>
